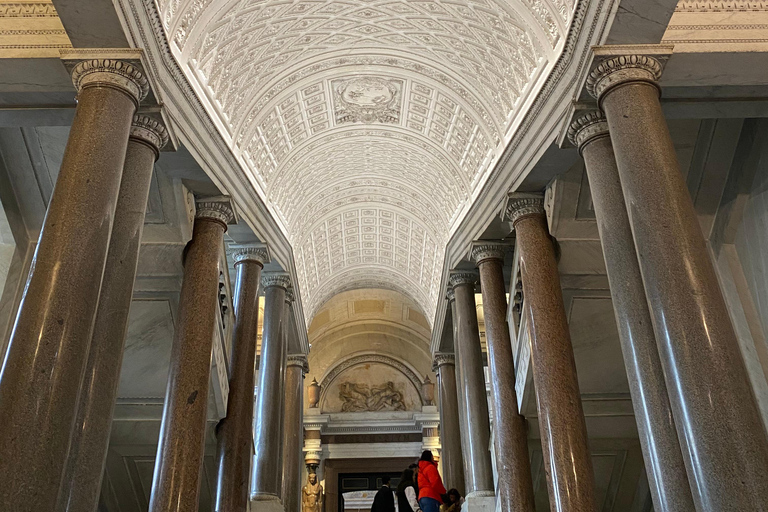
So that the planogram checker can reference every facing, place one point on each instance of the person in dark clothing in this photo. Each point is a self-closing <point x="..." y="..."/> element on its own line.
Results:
<point x="407" y="496"/>
<point x="384" y="501"/>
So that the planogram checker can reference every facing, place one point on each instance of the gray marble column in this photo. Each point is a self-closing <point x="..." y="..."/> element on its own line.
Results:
<point x="48" y="349"/>
<point x="235" y="434"/>
<point x="718" y="423"/>
<point x="570" y="478"/>
<point x="459" y="376"/>
<point x="664" y="463"/>
<point x="513" y="466"/>
<point x="176" y="482"/>
<point x="267" y="469"/>
<point x="478" y="476"/>
<point x="81" y="484"/>
<point x="293" y="431"/>
<point x="450" y="434"/>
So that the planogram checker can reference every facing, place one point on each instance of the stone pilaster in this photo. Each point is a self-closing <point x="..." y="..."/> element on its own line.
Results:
<point x="568" y="463"/>
<point x="718" y="423"/>
<point x="176" y="482"/>
<point x="664" y="463"/>
<point x="48" y="349"/>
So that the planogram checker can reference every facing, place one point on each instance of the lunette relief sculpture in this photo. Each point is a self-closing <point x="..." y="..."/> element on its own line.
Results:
<point x="357" y="397"/>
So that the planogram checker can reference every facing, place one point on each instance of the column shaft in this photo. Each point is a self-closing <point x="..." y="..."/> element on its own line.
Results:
<point x="459" y="378"/>
<point x="267" y="471"/>
<point x="570" y="477"/>
<point x="48" y="349"/>
<point x="515" y="485"/>
<point x="478" y="475"/>
<point x="236" y="430"/>
<point x="293" y="432"/>
<point x="719" y="426"/>
<point x="178" y="466"/>
<point x="81" y="484"/>
<point x="658" y="438"/>
<point x="450" y="434"/>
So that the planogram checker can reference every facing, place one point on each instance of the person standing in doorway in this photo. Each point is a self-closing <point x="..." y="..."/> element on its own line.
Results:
<point x="384" y="501"/>
<point x="431" y="486"/>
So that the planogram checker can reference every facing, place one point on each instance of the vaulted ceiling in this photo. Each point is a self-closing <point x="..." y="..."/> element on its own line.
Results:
<point x="367" y="126"/>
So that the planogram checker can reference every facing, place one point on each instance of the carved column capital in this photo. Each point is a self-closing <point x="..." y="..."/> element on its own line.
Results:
<point x="588" y="128"/>
<point x="621" y="70"/>
<point x="483" y="250"/>
<point x="219" y="208"/>
<point x="150" y="131"/>
<point x="450" y="295"/>
<point x="258" y="253"/>
<point x="521" y="205"/>
<point x="290" y="297"/>
<point x="280" y="279"/>
<point x="299" y="360"/>
<point x="458" y="278"/>
<point x="111" y="73"/>
<point x="442" y="359"/>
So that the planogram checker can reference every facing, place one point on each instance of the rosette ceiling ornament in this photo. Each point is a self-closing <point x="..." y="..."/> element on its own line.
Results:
<point x="367" y="126"/>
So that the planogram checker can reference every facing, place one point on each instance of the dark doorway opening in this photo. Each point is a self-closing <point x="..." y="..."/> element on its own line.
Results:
<point x="364" y="482"/>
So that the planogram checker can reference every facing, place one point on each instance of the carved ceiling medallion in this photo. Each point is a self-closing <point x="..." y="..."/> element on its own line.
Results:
<point x="367" y="99"/>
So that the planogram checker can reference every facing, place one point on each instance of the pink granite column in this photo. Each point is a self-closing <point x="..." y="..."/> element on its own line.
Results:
<point x="267" y="468"/>
<point x="513" y="466"/>
<point x="176" y="482"/>
<point x="570" y="478"/>
<point x="478" y="473"/>
<point x="450" y="434"/>
<point x="48" y="349"/>
<point x="81" y="484"/>
<point x="293" y="431"/>
<point x="664" y="463"/>
<point x="718" y="423"/>
<point x="235" y="435"/>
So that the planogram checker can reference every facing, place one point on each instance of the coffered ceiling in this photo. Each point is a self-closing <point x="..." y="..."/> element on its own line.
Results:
<point x="367" y="126"/>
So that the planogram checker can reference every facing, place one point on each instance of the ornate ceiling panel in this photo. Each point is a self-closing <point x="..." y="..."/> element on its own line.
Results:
<point x="366" y="125"/>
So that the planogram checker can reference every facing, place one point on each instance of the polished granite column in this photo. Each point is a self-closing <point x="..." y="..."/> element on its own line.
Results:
<point x="176" y="482"/>
<point x="664" y="463"/>
<point x="478" y="476"/>
<point x="513" y="466"/>
<point x="48" y="350"/>
<point x="81" y="484"/>
<point x="450" y="434"/>
<point x="719" y="426"/>
<point x="267" y="469"/>
<point x="293" y="431"/>
<point x="235" y="435"/>
<point x="570" y="478"/>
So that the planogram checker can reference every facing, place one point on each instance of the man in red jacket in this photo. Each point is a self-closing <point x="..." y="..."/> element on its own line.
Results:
<point x="430" y="484"/>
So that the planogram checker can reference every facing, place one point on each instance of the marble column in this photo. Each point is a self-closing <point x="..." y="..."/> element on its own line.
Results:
<point x="293" y="431"/>
<point x="48" y="350"/>
<point x="459" y="377"/>
<point x="478" y="476"/>
<point x="570" y="478"/>
<point x="235" y="435"/>
<point x="450" y="434"/>
<point x="176" y="481"/>
<point x="267" y="469"/>
<point x="513" y="466"/>
<point x="81" y="484"/>
<point x="664" y="463"/>
<point x="721" y="433"/>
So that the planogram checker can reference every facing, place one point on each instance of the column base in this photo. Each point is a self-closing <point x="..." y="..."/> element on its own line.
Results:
<point x="266" y="503"/>
<point x="481" y="501"/>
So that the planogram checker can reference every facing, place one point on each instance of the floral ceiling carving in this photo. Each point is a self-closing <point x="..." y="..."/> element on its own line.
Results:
<point x="368" y="126"/>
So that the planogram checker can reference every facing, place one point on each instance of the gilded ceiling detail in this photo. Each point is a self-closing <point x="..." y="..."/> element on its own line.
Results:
<point x="368" y="126"/>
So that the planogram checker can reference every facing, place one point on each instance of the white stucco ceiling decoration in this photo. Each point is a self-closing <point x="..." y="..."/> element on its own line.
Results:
<point x="368" y="126"/>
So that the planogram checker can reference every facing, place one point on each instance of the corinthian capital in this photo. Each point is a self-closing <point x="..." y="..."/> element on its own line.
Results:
<point x="280" y="279"/>
<point x="620" y="70"/>
<point x="219" y="208"/>
<point x="442" y="359"/>
<point x="258" y="253"/>
<point x="149" y="131"/>
<point x="588" y="128"/>
<point x="458" y="278"/>
<point x="484" y="250"/>
<point x="299" y="360"/>
<point x="111" y="73"/>
<point x="521" y="205"/>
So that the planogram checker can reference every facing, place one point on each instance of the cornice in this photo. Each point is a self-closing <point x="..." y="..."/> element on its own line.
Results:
<point x="588" y="128"/>
<point x="621" y="70"/>
<point x="217" y="208"/>
<point x="521" y="205"/>
<point x="150" y="131"/>
<point x="111" y="72"/>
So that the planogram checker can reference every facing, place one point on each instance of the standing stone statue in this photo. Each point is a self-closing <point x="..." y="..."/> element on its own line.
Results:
<point x="312" y="495"/>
